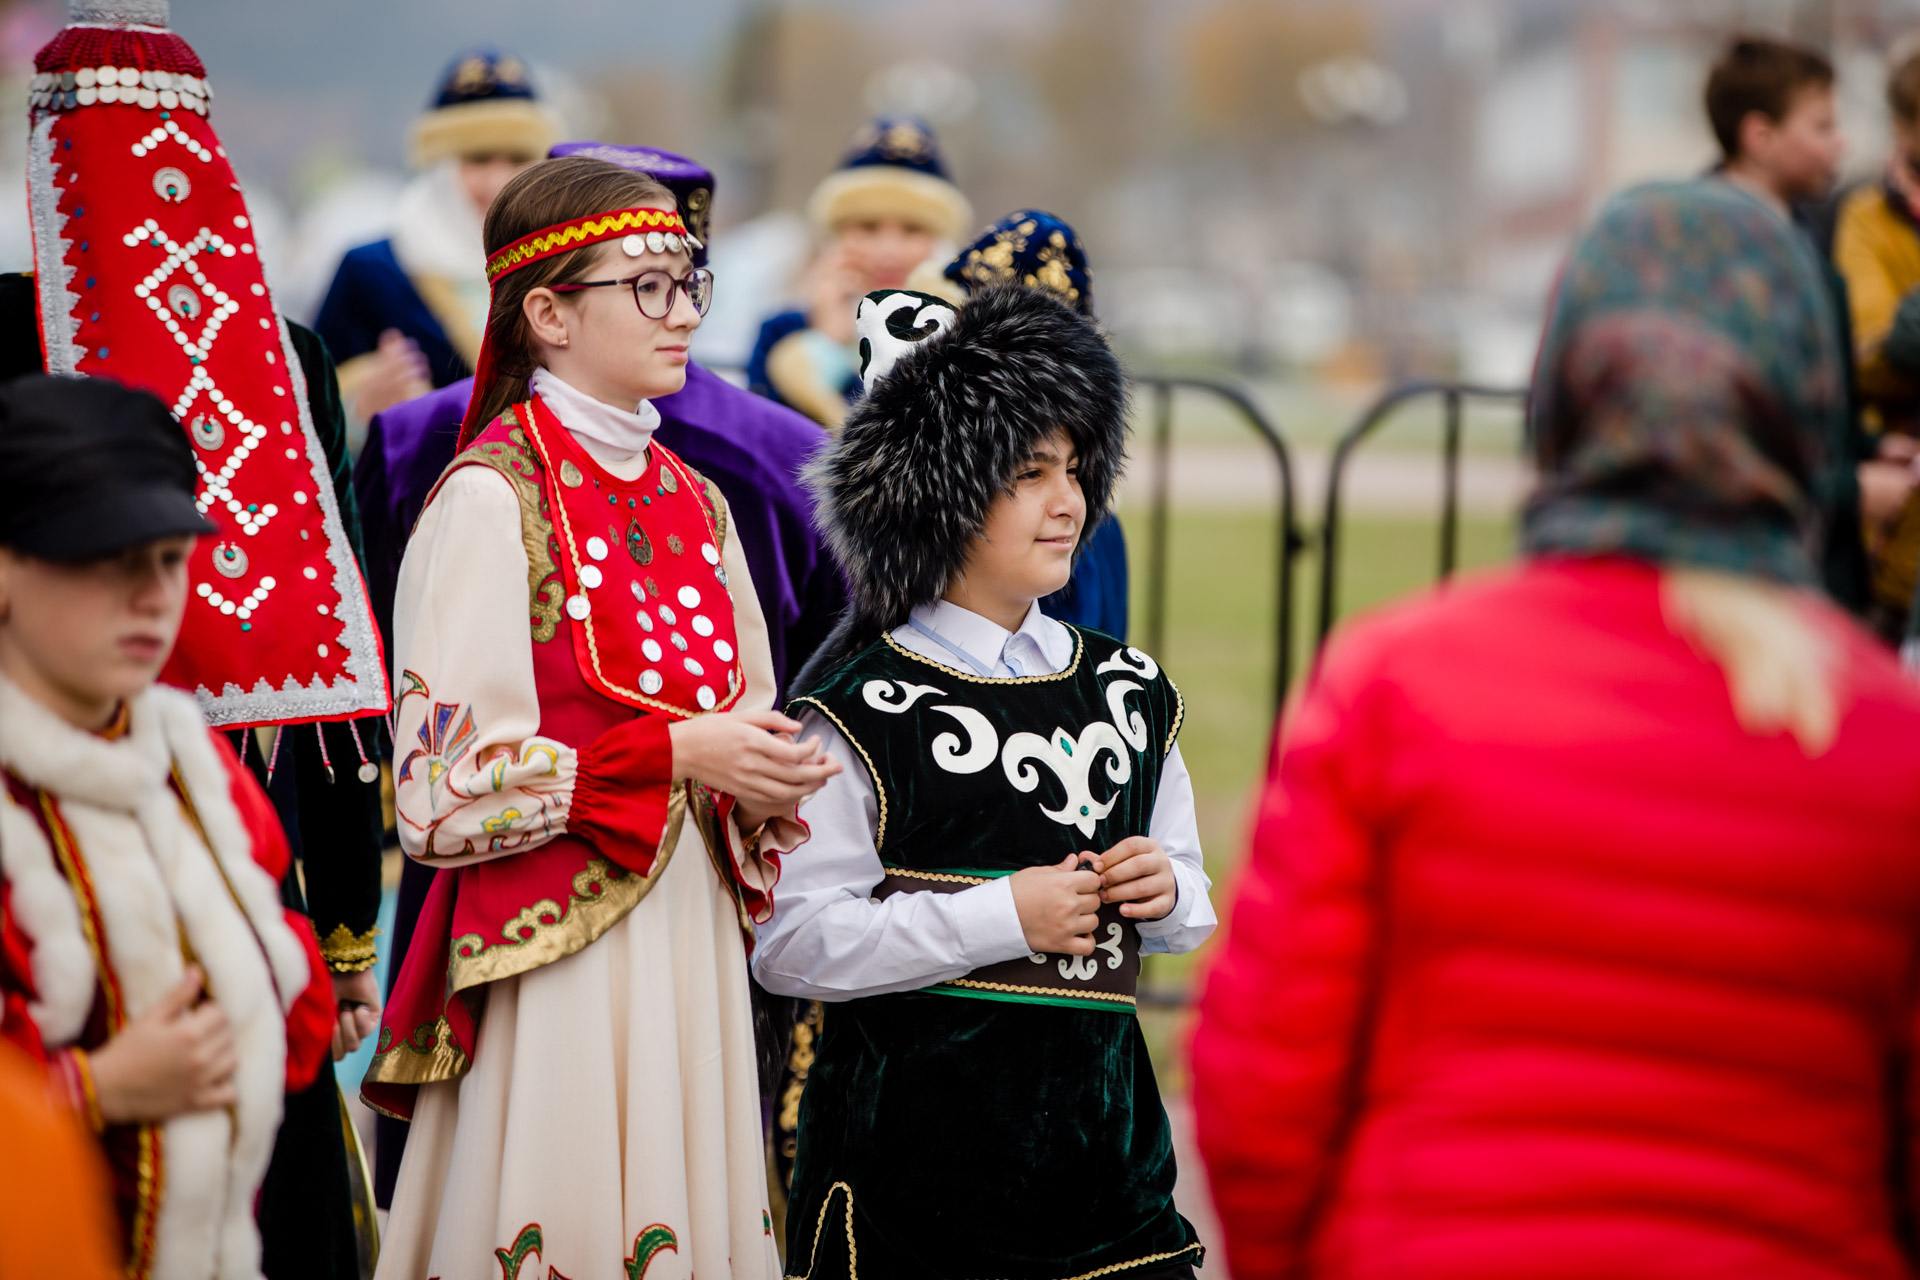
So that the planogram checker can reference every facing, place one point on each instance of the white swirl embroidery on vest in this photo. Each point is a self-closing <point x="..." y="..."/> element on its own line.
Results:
<point x="1112" y="945"/>
<point x="1131" y="725"/>
<point x="1078" y="968"/>
<point x="1129" y="661"/>
<point x="1071" y="760"/>
<point x="982" y="742"/>
<point x="894" y="696"/>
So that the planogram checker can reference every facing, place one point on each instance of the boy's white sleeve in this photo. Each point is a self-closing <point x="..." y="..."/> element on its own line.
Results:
<point x="1175" y="827"/>
<point x="829" y="940"/>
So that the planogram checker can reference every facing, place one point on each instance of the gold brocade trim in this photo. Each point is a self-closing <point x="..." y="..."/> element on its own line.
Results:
<point x="348" y="952"/>
<point x="713" y="834"/>
<point x="404" y="1063"/>
<point x="941" y="876"/>
<point x="588" y="914"/>
<point x="806" y="1032"/>
<point x="853" y="1250"/>
<point x="1179" y="714"/>
<point x="511" y="460"/>
<point x="1079" y="651"/>
<point x="1057" y="992"/>
<point x="879" y="788"/>
<point x="1197" y="1250"/>
<point x="585" y="231"/>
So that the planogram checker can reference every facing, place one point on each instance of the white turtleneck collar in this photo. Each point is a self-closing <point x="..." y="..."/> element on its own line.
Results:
<point x="613" y="436"/>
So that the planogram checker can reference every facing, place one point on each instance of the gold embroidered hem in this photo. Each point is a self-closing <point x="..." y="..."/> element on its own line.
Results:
<point x="430" y="1056"/>
<point x="348" y="952"/>
<point x="602" y="896"/>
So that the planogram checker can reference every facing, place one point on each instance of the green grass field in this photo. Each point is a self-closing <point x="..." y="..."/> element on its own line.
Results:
<point x="1218" y="647"/>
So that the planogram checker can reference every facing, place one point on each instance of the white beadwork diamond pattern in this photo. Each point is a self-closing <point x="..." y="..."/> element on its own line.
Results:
<point x="176" y="308"/>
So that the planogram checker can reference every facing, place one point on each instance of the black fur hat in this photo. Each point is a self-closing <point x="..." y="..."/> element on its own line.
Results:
<point x="905" y="488"/>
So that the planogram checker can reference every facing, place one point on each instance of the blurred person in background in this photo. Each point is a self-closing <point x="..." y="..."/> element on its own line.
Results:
<point x="404" y="315"/>
<point x="1579" y="930"/>
<point x="151" y="276"/>
<point x="146" y="960"/>
<point x="750" y="447"/>
<point x="889" y="208"/>
<point x="595" y="768"/>
<point x="1877" y="248"/>
<point x="1772" y="109"/>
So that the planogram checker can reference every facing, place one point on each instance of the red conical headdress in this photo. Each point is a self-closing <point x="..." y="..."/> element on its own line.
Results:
<point x="147" y="273"/>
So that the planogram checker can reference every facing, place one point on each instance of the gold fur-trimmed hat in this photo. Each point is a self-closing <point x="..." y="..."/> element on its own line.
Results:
<point x="486" y="105"/>
<point x="894" y="168"/>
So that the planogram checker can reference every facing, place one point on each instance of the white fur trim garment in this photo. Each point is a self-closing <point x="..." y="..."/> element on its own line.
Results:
<point x="154" y="880"/>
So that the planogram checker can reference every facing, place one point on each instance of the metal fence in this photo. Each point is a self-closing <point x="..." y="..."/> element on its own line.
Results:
<point x="1453" y="397"/>
<point x="1290" y="542"/>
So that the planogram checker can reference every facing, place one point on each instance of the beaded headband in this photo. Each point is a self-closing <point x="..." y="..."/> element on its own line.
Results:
<point x="644" y="229"/>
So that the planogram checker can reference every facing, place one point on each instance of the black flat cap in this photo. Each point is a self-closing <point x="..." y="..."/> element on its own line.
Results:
<point x="93" y="468"/>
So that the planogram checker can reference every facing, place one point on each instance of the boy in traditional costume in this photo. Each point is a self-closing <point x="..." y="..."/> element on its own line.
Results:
<point x="405" y="314"/>
<point x="1013" y="827"/>
<point x="889" y="208"/>
<point x="148" y="274"/>
<point x="146" y="960"/>
<point x="591" y="759"/>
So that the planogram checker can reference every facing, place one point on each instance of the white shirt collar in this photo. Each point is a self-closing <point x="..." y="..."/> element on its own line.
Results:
<point x="1041" y="642"/>
<point x="613" y="435"/>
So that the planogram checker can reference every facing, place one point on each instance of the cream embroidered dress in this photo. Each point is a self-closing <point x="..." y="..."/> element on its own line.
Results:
<point x="610" y="1122"/>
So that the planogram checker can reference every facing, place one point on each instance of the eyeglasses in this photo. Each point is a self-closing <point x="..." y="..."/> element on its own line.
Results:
<point x="653" y="290"/>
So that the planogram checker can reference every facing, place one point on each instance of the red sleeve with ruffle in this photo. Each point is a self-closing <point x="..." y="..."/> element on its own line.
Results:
<point x="311" y="1019"/>
<point x="621" y="792"/>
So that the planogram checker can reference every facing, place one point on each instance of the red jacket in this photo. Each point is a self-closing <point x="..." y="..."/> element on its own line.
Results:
<point x="1542" y="968"/>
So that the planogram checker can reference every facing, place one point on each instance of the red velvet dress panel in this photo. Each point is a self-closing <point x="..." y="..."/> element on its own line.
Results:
<point x="1541" y="966"/>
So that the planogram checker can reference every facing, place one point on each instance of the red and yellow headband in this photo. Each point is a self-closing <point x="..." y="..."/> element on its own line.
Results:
<point x="644" y="229"/>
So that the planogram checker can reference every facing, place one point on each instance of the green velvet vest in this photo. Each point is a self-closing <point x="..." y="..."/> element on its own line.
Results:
<point x="1005" y="1125"/>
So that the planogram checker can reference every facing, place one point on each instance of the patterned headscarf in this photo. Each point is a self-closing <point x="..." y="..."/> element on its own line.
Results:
<point x="1689" y="397"/>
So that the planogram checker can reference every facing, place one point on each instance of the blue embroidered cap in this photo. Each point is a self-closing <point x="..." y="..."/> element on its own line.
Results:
<point x="482" y="74"/>
<point x="902" y="141"/>
<point x="689" y="180"/>
<point x="485" y="105"/>
<point x="1029" y="247"/>
<point x="893" y="168"/>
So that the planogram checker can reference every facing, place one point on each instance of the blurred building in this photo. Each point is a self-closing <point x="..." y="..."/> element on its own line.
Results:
<point x="1355" y="189"/>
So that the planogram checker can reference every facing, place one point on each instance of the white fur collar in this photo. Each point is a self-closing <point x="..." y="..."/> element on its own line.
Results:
<point x="436" y="231"/>
<point x="154" y="881"/>
<point x="42" y="750"/>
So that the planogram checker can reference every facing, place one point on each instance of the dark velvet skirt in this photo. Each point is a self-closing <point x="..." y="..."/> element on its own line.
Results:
<point x="946" y="1136"/>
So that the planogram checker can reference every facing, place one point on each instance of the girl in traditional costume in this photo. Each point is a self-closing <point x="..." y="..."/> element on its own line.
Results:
<point x="1012" y="829"/>
<point x="146" y="960"/>
<point x="588" y="751"/>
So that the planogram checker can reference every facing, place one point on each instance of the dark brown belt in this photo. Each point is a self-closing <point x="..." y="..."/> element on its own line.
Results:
<point x="1107" y="979"/>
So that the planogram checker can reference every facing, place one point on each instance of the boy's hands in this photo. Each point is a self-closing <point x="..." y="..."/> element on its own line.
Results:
<point x="1058" y="906"/>
<point x="177" y="1057"/>
<point x="1138" y="874"/>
